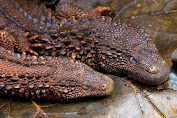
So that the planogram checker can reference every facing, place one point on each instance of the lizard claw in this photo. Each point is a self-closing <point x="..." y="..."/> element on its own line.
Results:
<point x="33" y="38"/>
<point x="33" y="52"/>
<point x="37" y="45"/>
<point x="99" y="10"/>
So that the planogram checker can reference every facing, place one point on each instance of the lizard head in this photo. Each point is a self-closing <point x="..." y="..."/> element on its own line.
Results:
<point x="130" y="51"/>
<point x="80" y="81"/>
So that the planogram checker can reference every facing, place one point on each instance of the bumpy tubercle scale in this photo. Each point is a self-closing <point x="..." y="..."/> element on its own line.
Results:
<point x="111" y="46"/>
<point x="49" y="78"/>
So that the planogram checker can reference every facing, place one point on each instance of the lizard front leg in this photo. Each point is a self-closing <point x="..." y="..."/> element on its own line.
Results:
<point x="21" y="43"/>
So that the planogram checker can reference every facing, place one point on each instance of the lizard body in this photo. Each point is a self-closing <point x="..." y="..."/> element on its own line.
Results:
<point x="115" y="47"/>
<point x="50" y="78"/>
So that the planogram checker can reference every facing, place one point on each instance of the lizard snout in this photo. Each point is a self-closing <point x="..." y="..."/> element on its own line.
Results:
<point x="109" y="86"/>
<point x="158" y="72"/>
<point x="153" y="69"/>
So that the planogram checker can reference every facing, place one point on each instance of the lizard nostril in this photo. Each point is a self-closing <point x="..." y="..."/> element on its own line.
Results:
<point x="153" y="69"/>
<point x="104" y="87"/>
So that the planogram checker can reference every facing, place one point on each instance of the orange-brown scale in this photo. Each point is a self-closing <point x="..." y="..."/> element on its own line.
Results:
<point x="112" y="47"/>
<point x="72" y="12"/>
<point x="7" y="40"/>
<point x="49" y="78"/>
<point x="39" y="21"/>
<point x="40" y="14"/>
<point x="18" y="18"/>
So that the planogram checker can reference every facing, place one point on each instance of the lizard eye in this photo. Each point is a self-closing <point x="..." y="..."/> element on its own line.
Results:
<point x="132" y="60"/>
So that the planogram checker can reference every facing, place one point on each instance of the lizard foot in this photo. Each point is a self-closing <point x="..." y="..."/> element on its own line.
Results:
<point x="25" y="45"/>
<point x="98" y="11"/>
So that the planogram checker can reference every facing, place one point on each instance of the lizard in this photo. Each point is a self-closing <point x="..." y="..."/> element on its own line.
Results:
<point x="115" y="47"/>
<point x="49" y="78"/>
<point x="62" y="79"/>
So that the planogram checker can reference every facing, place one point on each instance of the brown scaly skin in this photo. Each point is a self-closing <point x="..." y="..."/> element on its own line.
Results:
<point x="128" y="49"/>
<point x="35" y="17"/>
<point x="117" y="48"/>
<point x="113" y="47"/>
<point x="70" y="75"/>
<point x="48" y="2"/>
<point x="50" y="78"/>
<point x="9" y="42"/>
<point x="18" y="18"/>
<point x="71" y="12"/>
